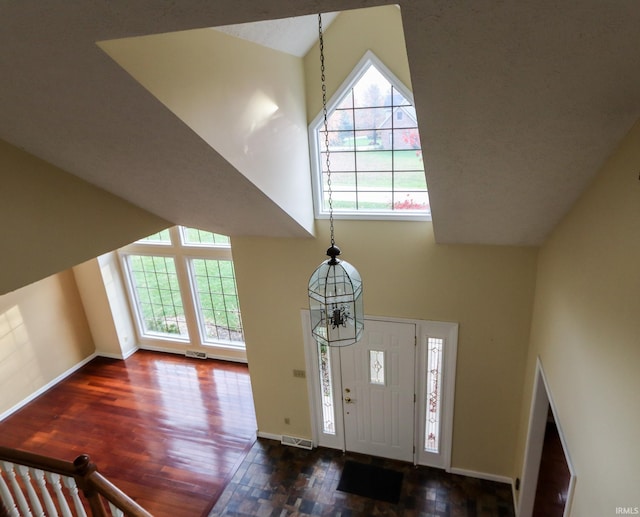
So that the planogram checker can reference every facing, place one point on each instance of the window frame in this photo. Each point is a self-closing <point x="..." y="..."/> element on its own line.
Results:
<point x="182" y="255"/>
<point x="134" y="299"/>
<point x="191" y="274"/>
<point x="315" y="151"/>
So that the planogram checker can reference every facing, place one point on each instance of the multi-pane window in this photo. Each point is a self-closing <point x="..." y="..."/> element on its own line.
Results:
<point x="195" y="237"/>
<point x="375" y="155"/>
<point x="162" y="237"/>
<point x="157" y="294"/>
<point x="183" y="287"/>
<point x="217" y="299"/>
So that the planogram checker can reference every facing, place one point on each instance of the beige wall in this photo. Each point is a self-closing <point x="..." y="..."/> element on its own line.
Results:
<point x="43" y="333"/>
<point x="346" y="40"/>
<point x="245" y="100"/>
<point x="53" y="220"/>
<point x="488" y="290"/>
<point x="59" y="221"/>
<point x="586" y="331"/>
<point x="103" y="294"/>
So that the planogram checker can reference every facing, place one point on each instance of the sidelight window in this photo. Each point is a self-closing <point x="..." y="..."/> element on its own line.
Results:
<point x="434" y="395"/>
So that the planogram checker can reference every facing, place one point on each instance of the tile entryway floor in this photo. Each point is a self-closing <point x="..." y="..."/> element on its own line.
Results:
<point x="278" y="480"/>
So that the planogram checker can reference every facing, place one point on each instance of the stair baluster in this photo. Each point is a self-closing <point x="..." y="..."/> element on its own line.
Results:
<point x="7" y="498"/>
<point x="54" y="480"/>
<point x="41" y="482"/>
<point x="9" y="469"/>
<point x="34" y="502"/>
<point x="39" y="479"/>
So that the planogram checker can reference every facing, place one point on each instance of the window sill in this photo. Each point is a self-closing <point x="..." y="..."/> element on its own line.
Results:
<point x="378" y="216"/>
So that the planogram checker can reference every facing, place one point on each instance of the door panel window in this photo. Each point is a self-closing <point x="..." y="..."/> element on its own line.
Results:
<point x="376" y="367"/>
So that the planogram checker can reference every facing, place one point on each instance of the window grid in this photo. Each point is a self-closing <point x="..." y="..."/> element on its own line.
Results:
<point x="217" y="298"/>
<point x="161" y="237"/>
<point x="375" y="155"/>
<point x="157" y="294"/>
<point x="192" y="263"/>
<point x="196" y="237"/>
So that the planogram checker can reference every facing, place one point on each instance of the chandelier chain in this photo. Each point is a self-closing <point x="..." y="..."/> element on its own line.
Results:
<point x="326" y="127"/>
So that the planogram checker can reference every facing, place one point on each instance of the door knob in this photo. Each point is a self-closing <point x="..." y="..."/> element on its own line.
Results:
<point x="348" y="400"/>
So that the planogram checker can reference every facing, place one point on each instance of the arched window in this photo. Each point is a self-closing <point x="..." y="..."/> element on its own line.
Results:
<point x="375" y="155"/>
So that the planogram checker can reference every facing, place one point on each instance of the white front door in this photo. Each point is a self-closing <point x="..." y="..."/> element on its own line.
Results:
<point x="378" y="391"/>
<point x="377" y="415"/>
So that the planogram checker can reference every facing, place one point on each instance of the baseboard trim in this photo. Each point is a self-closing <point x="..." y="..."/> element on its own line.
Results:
<point x="47" y="386"/>
<point x="130" y="352"/>
<point x="482" y="475"/>
<point x="269" y="436"/>
<point x="121" y="356"/>
<point x="210" y="354"/>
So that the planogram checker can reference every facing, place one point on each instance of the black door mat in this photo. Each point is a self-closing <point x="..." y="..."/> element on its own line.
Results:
<point x="371" y="481"/>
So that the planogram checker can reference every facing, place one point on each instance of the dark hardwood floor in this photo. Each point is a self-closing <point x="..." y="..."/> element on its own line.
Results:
<point x="554" y="476"/>
<point x="167" y="430"/>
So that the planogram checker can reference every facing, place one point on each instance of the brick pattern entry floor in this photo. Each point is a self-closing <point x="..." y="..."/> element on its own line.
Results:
<point x="278" y="480"/>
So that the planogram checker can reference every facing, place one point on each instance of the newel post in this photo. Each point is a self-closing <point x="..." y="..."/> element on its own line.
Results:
<point x="84" y="469"/>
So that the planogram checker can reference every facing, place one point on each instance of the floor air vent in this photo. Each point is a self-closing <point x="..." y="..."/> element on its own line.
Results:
<point x="196" y="353"/>
<point x="303" y="443"/>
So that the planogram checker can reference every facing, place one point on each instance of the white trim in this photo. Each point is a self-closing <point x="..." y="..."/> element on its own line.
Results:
<point x="130" y="352"/>
<point x="448" y="330"/>
<point x="481" y="475"/>
<point x="269" y="436"/>
<point x="47" y="386"/>
<point x="362" y="215"/>
<point x="310" y="362"/>
<point x="182" y="256"/>
<point x="121" y="356"/>
<point x="320" y="438"/>
<point x="176" y="351"/>
<point x="369" y="58"/>
<point x="541" y="401"/>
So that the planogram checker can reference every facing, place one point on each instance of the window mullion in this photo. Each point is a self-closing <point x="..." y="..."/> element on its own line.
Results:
<point x="379" y="170"/>
<point x="393" y="153"/>
<point x="355" y="147"/>
<point x="174" y="233"/>
<point x="183" y="269"/>
<point x="207" y="253"/>
<point x="159" y="274"/>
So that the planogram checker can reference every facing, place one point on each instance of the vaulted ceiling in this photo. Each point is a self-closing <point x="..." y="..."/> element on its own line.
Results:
<point x="519" y="104"/>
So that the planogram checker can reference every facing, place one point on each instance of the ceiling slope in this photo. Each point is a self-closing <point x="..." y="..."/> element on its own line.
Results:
<point x="519" y="104"/>
<point x="65" y="101"/>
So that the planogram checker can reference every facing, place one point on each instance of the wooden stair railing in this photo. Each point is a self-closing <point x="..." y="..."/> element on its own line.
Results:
<point x="34" y="485"/>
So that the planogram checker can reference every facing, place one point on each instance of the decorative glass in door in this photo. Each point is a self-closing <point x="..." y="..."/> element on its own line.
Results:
<point x="326" y="390"/>
<point x="434" y="395"/>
